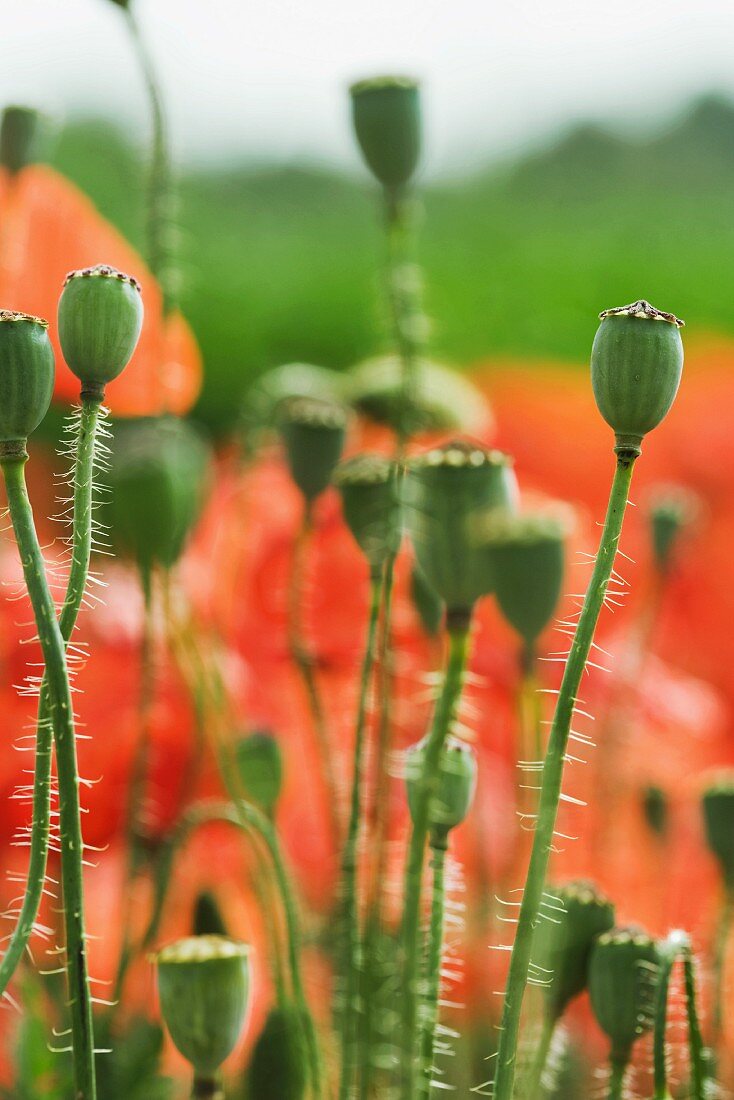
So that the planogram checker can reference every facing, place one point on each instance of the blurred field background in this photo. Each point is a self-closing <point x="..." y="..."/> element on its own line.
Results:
<point x="279" y="261"/>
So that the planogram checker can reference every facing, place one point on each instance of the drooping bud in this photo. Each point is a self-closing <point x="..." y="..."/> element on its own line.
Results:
<point x="204" y="987"/>
<point x="208" y="919"/>
<point x="636" y="367"/>
<point x="158" y="477"/>
<point x="525" y="557"/>
<point x="655" y="809"/>
<point x="672" y="508"/>
<point x="100" y="319"/>
<point x="441" y="399"/>
<point x="386" y="113"/>
<point x="427" y="603"/>
<point x="457" y="783"/>
<point x="367" y="484"/>
<point x="26" y="375"/>
<point x="260" y="766"/>
<point x="446" y="490"/>
<point x="718" y="817"/>
<point x="313" y="433"/>
<point x="278" y="1064"/>
<point x="623" y="976"/>
<point x="572" y="917"/>
<point x="19" y="133"/>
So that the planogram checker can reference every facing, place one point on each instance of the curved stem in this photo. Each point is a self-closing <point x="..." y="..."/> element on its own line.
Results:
<point x="534" y="1084"/>
<point x="62" y="718"/>
<point x="617" y="1071"/>
<point x="550" y="794"/>
<point x="426" y="790"/>
<point x="433" y="969"/>
<point x="81" y="550"/>
<point x="349" y="875"/>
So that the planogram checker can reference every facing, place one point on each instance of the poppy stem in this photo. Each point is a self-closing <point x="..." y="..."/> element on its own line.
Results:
<point x="550" y="794"/>
<point x="349" y="869"/>
<point x="86" y="438"/>
<point x="411" y="940"/>
<point x="534" y="1084"/>
<point x="403" y="294"/>
<point x="617" y="1072"/>
<point x="62" y="717"/>
<point x="726" y="917"/>
<point x="700" y="1076"/>
<point x="668" y="951"/>
<point x="433" y="969"/>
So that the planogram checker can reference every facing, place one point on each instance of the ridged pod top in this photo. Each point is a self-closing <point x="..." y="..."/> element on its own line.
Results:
<point x="644" y="311"/>
<point x="26" y="376"/>
<point x="102" y="271"/>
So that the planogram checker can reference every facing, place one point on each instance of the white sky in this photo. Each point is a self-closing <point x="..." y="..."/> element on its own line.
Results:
<point x="268" y="76"/>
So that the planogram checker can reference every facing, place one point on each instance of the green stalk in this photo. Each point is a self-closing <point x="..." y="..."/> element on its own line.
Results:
<point x="403" y="294"/>
<point x="349" y="876"/>
<point x="433" y="968"/>
<point x="534" y="1088"/>
<point x="428" y="784"/>
<point x="696" y="1049"/>
<point x="550" y="794"/>
<point x="76" y="585"/>
<point x="720" y="948"/>
<point x="62" y="718"/>
<point x="668" y="954"/>
<point x="617" y="1070"/>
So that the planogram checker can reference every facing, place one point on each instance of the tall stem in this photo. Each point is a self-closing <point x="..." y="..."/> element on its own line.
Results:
<point x="696" y="1049"/>
<point x="433" y="969"/>
<point x="403" y="293"/>
<point x="668" y="954"/>
<point x="350" y="878"/>
<point x="425" y="793"/>
<point x="617" y="1071"/>
<point x="720" y="951"/>
<point x="550" y="794"/>
<point x="75" y="588"/>
<point x="62" y="719"/>
<point x="305" y="663"/>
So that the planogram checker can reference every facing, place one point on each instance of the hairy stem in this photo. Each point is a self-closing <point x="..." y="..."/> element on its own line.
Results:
<point x="550" y="794"/>
<point x="62" y="720"/>
<point x="433" y="969"/>
<point x="696" y="1050"/>
<point x="349" y="868"/>
<point x="427" y="786"/>
<point x="668" y="954"/>
<point x="76" y="585"/>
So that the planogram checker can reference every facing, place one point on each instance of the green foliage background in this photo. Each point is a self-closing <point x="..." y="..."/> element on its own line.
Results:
<point x="281" y="263"/>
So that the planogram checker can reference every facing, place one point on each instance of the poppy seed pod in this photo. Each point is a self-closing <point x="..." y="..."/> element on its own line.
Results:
<point x="623" y="977"/>
<point x="19" y="132"/>
<point x="636" y="366"/>
<point x="457" y="783"/>
<point x="204" y="988"/>
<point x="671" y="510"/>
<point x="158" y="476"/>
<point x="367" y="485"/>
<point x="565" y="935"/>
<point x="446" y="489"/>
<point x="426" y="602"/>
<point x="260" y="766"/>
<point x="718" y="818"/>
<point x="386" y="113"/>
<point x="313" y="433"/>
<point x="100" y="319"/>
<point x="278" y="1064"/>
<point x="26" y="374"/>
<point x="526" y="558"/>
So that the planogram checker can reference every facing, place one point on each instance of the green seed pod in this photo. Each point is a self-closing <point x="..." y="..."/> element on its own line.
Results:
<point x="100" y="319"/>
<point x="446" y="489"/>
<point x="718" y="818"/>
<point x="457" y="783"/>
<point x="278" y="1065"/>
<point x="260" y="766"/>
<point x="158" y="477"/>
<point x="564" y="939"/>
<point x="442" y="399"/>
<point x="525" y="558"/>
<point x="204" y="987"/>
<point x="386" y="113"/>
<point x="26" y="374"/>
<point x="655" y="809"/>
<point x="313" y="433"/>
<point x="19" y="138"/>
<point x="636" y="366"/>
<point x="427" y="603"/>
<point x="285" y="382"/>
<point x="208" y="919"/>
<point x="671" y="510"/>
<point x="623" y="975"/>
<point x="368" y="489"/>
